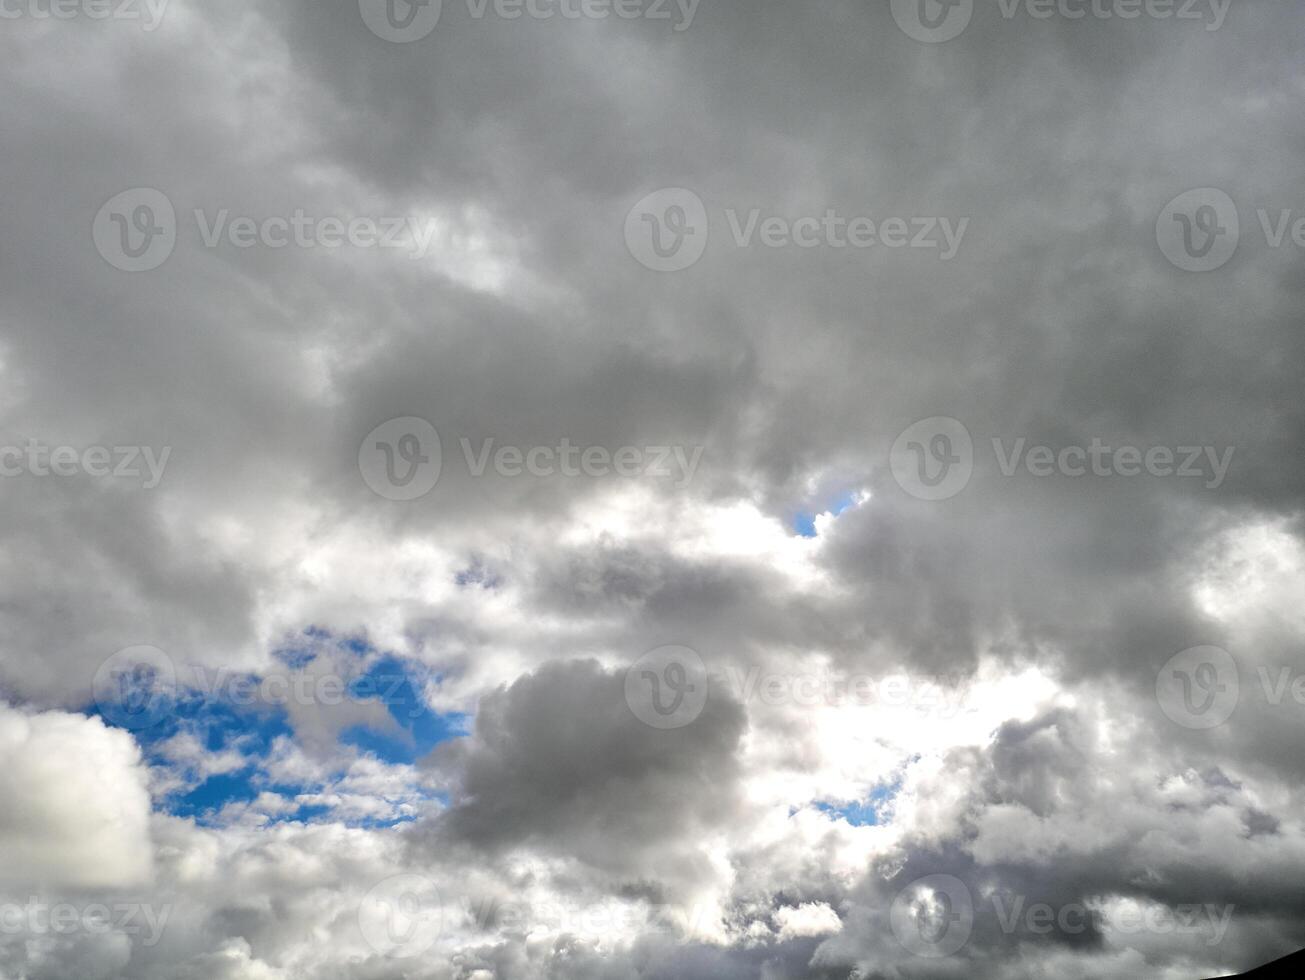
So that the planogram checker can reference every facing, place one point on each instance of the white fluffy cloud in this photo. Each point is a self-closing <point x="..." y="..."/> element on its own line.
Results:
<point x="74" y="804"/>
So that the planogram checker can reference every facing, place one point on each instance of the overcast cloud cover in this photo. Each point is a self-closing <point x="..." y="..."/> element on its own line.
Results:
<point x="525" y="558"/>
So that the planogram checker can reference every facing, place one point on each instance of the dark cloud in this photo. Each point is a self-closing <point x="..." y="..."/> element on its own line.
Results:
<point x="559" y="761"/>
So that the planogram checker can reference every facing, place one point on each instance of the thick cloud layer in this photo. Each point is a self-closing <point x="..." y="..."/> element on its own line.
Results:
<point x="978" y="683"/>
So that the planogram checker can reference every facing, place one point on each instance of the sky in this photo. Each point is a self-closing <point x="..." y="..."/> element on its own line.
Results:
<point x="651" y="489"/>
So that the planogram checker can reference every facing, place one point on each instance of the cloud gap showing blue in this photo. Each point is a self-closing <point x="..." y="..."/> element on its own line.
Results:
<point x="224" y="721"/>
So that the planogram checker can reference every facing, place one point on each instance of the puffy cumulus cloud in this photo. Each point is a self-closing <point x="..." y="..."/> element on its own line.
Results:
<point x="93" y="957"/>
<point x="1079" y="838"/>
<point x="231" y="962"/>
<point x="811" y="919"/>
<point x="74" y="804"/>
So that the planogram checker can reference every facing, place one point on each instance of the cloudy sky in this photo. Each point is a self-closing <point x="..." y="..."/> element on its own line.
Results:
<point x="649" y="489"/>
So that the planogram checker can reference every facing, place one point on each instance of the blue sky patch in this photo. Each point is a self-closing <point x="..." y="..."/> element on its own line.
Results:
<point x="805" y="521"/>
<point x="231" y="714"/>
<point x="872" y="811"/>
